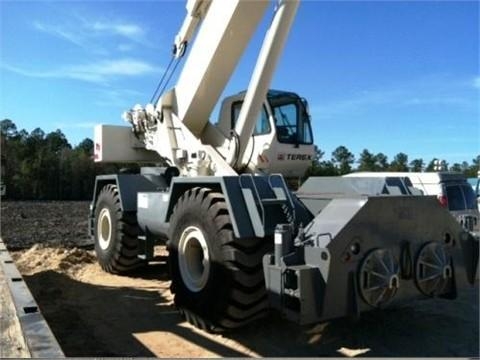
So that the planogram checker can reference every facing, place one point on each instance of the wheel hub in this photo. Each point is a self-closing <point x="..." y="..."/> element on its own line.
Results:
<point x="104" y="228"/>
<point x="379" y="277"/>
<point x="433" y="270"/>
<point x="193" y="259"/>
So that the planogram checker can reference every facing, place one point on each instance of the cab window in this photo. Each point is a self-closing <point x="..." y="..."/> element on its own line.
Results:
<point x="455" y="198"/>
<point x="262" y="126"/>
<point x="397" y="182"/>
<point x="470" y="198"/>
<point x="292" y="123"/>
<point x="460" y="197"/>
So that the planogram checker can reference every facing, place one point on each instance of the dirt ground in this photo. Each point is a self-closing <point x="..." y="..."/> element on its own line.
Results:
<point x="94" y="314"/>
<point x="57" y="223"/>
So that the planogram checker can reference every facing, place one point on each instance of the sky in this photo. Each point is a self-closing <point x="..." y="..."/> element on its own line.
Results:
<point x="387" y="76"/>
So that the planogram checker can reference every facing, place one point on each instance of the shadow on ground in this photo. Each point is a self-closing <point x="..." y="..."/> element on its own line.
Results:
<point x="429" y="328"/>
<point x="93" y="320"/>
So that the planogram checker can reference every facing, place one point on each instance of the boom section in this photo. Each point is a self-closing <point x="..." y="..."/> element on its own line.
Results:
<point x="270" y="52"/>
<point x="221" y="40"/>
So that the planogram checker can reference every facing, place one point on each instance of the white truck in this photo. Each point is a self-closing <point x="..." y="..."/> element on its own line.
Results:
<point x="450" y="188"/>
<point x="240" y="241"/>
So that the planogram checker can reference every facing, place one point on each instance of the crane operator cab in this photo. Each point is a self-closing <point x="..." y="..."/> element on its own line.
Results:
<point x="282" y="140"/>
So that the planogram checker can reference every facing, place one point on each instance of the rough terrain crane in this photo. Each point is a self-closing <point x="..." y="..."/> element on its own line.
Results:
<point x="240" y="241"/>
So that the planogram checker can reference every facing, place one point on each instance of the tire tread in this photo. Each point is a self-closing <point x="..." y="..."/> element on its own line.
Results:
<point x="246" y="298"/>
<point x="124" y="257"/>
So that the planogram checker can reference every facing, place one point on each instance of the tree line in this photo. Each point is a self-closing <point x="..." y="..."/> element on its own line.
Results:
<point x="342" y="161"/>
<point x="43" y="166"/>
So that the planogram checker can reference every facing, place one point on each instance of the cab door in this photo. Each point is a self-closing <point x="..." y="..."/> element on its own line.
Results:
<point x="259" y="144"/>
<point x="292" y="149"/>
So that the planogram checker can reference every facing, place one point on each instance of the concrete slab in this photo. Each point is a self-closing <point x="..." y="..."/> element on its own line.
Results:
<point x="24" y="331"/>
<point x="12" y="342"/>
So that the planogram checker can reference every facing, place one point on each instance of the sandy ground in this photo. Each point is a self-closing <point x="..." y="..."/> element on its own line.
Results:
<point x="93" y="313"/>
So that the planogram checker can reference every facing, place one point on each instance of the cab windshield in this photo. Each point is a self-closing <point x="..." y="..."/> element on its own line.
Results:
<point x="292" y="120"/>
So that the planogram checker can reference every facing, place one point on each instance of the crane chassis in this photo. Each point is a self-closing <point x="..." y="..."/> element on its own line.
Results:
<point x="240" y="240"/>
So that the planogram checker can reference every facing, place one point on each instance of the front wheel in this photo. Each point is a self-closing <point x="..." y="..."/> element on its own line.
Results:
<point x="217" y="279"/>
<point x="116" y="231"/>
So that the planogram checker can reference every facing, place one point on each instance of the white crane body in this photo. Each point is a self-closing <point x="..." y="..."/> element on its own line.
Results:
<point x="240" y="240"/>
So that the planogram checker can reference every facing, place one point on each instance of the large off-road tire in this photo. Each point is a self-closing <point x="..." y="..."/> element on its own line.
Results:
<point x="116" y="242"/>
<point x="217" y="279"/>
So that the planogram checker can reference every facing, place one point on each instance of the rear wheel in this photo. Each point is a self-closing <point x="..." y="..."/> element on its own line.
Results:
<point x="116" y="231"/>
<point x="217" y="279"/>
